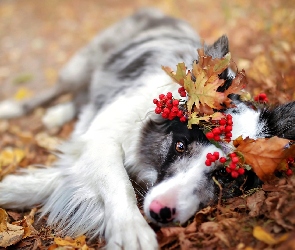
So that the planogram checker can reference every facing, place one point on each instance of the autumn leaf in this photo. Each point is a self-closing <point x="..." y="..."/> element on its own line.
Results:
<point x="264" y="155"/>
<point x="260" y="234"/>
<point x="77" y="243"/>
<point x="177" y="76"/>
<point x="195" y="119"/>
<point x="22" y="94"/>
<point x="11" y="156"/>
<point x="238" y="83"/>
<point x="9" y="234"/>
<point x="201" y="84"/>
<point x="3" y="220"/>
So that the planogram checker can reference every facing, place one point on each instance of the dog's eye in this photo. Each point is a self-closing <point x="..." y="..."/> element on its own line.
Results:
<point x="179" y="147"/>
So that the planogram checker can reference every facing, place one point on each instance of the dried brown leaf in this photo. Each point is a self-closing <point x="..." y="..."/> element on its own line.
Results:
<point x="255" y="202"/>
<point x="264" y="155"/>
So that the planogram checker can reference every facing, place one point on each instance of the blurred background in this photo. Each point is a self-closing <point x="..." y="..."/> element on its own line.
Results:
<point x="38" y="37"/>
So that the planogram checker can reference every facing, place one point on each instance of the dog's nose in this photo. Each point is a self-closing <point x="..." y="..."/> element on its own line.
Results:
<point x="161" y="213"/>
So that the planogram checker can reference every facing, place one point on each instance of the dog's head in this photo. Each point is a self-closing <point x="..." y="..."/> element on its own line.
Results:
<point x="181" y="183"/>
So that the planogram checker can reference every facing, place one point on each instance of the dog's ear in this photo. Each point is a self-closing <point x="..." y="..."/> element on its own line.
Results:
<point x="219" y="48"/>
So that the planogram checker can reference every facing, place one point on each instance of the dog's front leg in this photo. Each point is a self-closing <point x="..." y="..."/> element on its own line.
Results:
<point x="101" y="165"/>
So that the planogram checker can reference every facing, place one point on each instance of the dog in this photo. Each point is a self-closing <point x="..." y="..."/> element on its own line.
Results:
<point x="118" y="139"/>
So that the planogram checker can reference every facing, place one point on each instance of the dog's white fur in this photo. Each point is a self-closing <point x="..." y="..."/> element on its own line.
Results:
<point x="89" y="191"/>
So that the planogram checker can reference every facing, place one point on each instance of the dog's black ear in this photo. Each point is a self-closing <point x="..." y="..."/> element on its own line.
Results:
<point x="279" y="121"/>
<point x="219" y="48"/>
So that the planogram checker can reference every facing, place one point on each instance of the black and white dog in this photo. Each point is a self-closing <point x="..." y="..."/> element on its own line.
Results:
<point x="119" y="137"/>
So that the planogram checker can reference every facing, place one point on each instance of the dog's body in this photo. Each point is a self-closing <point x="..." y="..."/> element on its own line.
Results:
<point x="118" y="136"/>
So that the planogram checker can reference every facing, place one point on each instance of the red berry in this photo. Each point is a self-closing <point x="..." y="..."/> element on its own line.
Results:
<point x="208" y="163"/>
<point x="183" y="94"/>
<point x="235" y="159"/>
<point x="175" y="102"/>
<point x="165" y="115"/>
<point x="241" y="171"/>
<point x="158" y="110"/>
<point x="181" y="89"/>
<point x="222" y="121"/>
<point x="256" y="98"/>
<point x="216" y="155"/>
<point x="174" y="110"/>
<point x="155" y="101"/>
<point x="222" y="160"/>
<point x="289" y="172"/>
<point x="228" y="135"/>
<point x="169" y="95"/>
<point x="228" y="129"/>
<point x="209" y="155"/>
<point x="216" y="138"/>
<point x="210" y="135"/>
<point x="161" y="96"/>
<point x="216" y="131"/>
<point x="229" y="122"/>
<point x="228" y="170"/>
<point x="231" y="155"/>
<point x="171" y="116"/>
<point x="262" y="96"/>
<point x="227" y="139"/>
<point x="232" y="166"/>
<point x="222" y="128"/>
<point x="234" y="174"/>
<point x="166" y="110"/>
<point x="179" y="113"/>
<point x="229" y="117"/>
<point x="183" y="119"/>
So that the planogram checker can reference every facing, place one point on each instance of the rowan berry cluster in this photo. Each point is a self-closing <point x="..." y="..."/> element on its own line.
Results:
<point x="211" y="158"/>
<point x="262" y="98"/>
<point x="232" y="166"/>
<point x="168" y="107"/>
<point x="223" y="130"/>
<point x="231" y="163"/>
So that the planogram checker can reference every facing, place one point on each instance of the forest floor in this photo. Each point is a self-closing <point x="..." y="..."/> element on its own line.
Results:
<point x="38" y="37"/>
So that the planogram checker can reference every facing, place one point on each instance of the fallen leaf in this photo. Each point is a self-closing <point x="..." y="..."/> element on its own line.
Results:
<point x="172" y="231"/>
<point x="3" y="220"/>
<point x="264" y="155"/>
<point x="260" y="234"/>
<point x="11" y="156"/>
<point x="255" y="202"/>
<point x="46" y="141"/>
<point x="79" y="242"/>
<point x="9" y="234"/>
<point x="22" y="94"/>
<point x="27" y="224"/>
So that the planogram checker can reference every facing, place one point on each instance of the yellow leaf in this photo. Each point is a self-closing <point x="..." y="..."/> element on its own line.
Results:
<point x="11" y="156"/>
<point x="77" y="243"/>
<point x="22" y="93"/>
<point x="177" y="76"/>
<point x="260" y="234"/>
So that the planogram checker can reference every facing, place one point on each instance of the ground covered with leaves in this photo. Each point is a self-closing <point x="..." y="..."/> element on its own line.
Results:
<point x="37" y="38"/>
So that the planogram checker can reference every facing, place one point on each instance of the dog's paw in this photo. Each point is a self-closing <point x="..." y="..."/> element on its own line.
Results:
<point x="130" y="232"/>
<point x="11" y="109"/>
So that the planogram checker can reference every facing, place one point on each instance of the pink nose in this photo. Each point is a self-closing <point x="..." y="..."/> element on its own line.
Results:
<point x="161" y="213"/>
